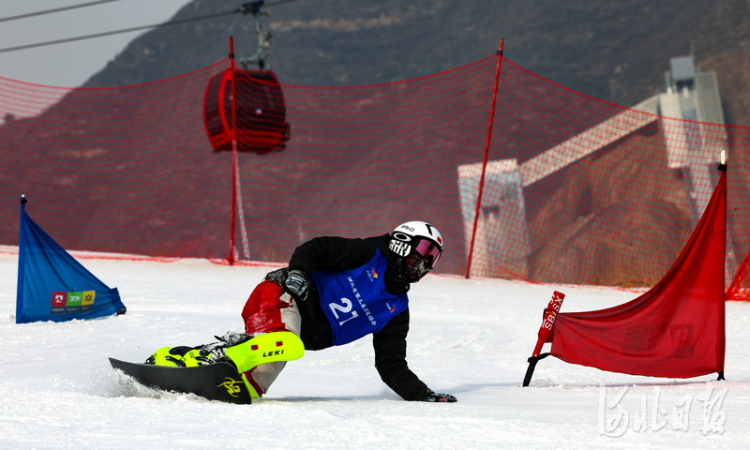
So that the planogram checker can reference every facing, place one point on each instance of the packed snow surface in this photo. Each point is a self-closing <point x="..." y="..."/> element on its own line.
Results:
<point x="470" y="338"/>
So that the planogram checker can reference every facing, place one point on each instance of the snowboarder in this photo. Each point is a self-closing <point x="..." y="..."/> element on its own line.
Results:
<point x="334" y="291"/>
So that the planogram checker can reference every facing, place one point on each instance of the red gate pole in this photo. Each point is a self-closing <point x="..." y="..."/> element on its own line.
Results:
<point x="230" y="258"/>
<point x="486" y="155"/>
<point x="545" y="334"/>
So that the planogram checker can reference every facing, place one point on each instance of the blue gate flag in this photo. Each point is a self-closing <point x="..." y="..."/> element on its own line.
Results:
<point x="52" y="285"/>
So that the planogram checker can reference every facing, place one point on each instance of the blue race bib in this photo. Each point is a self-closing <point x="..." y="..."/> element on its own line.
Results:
<point x="356" y="302"/>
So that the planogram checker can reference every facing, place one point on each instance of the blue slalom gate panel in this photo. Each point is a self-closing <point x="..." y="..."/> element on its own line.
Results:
<point x="54" y="286"/>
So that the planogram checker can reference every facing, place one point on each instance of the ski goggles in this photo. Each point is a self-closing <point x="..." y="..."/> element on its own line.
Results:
<point x="429" y="251"/>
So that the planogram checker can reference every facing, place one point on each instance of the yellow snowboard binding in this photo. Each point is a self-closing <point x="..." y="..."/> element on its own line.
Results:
<point x="242" y="350"/>
<point x="266" y="348"/>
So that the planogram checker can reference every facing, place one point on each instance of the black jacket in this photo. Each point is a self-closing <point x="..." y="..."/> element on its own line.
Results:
<point x="337" y="253"/>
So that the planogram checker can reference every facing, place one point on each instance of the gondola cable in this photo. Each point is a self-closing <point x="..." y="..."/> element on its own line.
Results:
<point x="55" y="10"/>
<point x="246" y="8"/>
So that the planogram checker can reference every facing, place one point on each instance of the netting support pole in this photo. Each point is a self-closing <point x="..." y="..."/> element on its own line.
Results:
<point x="230" y="258"/>
<point x="486" y="156"/>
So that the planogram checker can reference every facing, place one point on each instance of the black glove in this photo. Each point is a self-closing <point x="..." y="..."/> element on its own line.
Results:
<point x="430" y="396"/>
<point x="278" y="276"/>
<point x="297" y="284"/>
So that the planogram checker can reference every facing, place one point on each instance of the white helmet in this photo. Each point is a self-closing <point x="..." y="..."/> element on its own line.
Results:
<point x="419" y="245"/>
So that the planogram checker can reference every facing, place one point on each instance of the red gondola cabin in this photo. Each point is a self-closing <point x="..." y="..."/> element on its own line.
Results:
<point x="259" y="108"/>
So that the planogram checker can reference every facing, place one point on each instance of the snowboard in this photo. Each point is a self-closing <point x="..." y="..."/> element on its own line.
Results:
<point x="218" y="381"/>
<point x="221" y="380"/>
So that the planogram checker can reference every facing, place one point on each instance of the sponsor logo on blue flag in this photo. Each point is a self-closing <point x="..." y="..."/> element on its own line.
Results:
<point x="72" y="302"/>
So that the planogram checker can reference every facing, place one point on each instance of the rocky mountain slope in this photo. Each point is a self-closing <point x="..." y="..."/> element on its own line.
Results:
<point x="613" y="51"/>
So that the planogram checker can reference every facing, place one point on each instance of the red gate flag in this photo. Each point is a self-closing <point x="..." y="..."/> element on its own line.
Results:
<point x="676" y="329"/>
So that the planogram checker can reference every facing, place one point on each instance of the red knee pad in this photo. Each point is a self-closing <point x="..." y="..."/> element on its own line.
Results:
<point x="262" y="312"/>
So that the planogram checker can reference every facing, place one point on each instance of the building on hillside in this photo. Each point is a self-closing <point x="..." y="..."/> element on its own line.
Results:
<point x="501" y="244"/>
<point x="693" y="147"/>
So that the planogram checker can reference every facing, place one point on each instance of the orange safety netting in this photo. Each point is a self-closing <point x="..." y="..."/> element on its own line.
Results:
<point x="573" y="189"/>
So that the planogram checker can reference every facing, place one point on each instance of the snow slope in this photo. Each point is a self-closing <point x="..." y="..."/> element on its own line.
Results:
<point x="470" y="338"/>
